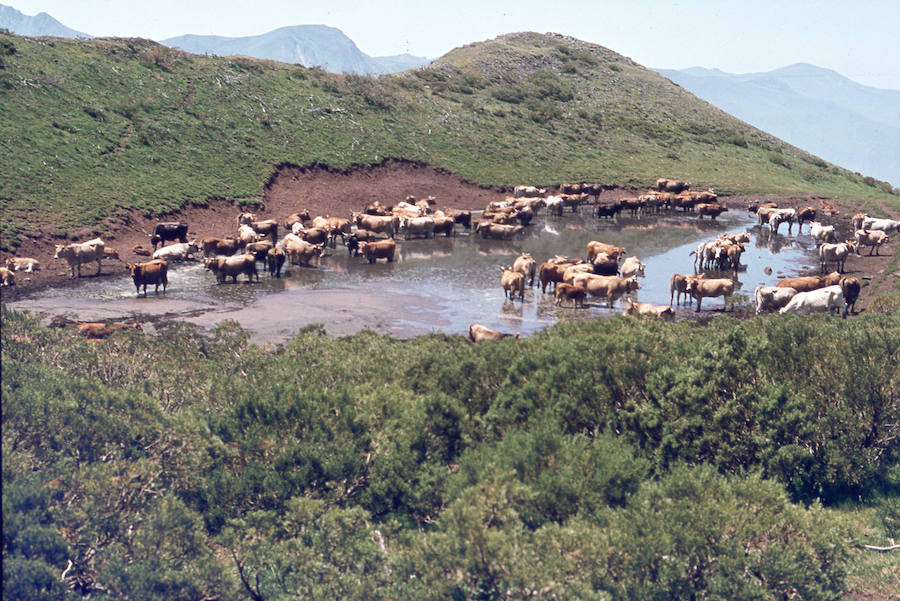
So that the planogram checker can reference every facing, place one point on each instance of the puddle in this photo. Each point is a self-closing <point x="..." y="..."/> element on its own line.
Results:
<point x="439" y="285"/>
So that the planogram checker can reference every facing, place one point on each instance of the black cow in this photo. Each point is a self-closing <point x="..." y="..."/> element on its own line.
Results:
<point x="172" y="230"/>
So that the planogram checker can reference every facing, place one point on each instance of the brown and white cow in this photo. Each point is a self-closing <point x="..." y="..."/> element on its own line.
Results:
<point x="7" y="277"/>
<point x="26" y="264"/>
<point x="871" y="238"/>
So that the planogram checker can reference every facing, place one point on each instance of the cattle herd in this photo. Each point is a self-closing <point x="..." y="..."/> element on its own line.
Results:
<point x="605" y="272"/>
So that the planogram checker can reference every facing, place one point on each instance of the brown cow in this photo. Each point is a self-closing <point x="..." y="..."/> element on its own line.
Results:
<point x="478" y="332"/>
<point x="610" y="287"/>
<point x="219" y="246"/>
<point x="711" y="288"/>
<point x="224" y="267"/>
<point x="96" y="330"/>
<point x="526" y="265"/>
<point x="594" y="248"/>
<point x="808" y="283"/>
<point x="7" y="278"/>
<point x="381" y="224"/>
<point x="275" y="261"/>
<point x="513" y="282"/>
<point x="713" y="209"/>
<point x="678" y="283"/>
<point x="152" y="272"/>
<point x="26" y="264"/>
<point x="381" y="249"/>
<point x="552" y="273"/>
<point x="571" y="292"/>
<point x="268" y="227"/>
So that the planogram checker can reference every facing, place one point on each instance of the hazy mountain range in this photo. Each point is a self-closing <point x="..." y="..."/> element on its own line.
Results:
<point x="309" y="45"/>
<point x="818" y="110"/>
<point x="815" y="109"/>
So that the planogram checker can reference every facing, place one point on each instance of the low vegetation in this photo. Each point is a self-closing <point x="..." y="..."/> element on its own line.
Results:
<point x="614" y="459"/>
<point x="94" y="128"/>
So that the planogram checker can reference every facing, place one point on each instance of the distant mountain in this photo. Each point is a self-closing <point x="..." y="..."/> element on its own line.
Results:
<point x="308" y="45"/>
<point x="815" y="109"/>
<point x="38" y="25"/>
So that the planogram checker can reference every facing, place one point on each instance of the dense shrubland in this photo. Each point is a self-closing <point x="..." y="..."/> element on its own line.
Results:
<point x="612" y="459"/>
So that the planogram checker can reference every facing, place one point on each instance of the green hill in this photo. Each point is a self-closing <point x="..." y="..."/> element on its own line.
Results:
<point x="93" y="128"/>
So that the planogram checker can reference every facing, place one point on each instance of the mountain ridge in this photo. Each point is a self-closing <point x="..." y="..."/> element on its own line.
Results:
<point x="40" y="24"/>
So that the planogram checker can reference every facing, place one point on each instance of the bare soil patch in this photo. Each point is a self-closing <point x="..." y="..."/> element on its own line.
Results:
<point x="327" y="191"/>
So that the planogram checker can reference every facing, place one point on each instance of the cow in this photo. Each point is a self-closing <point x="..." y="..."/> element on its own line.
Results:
<point x="512" y="282"/>
<point x="246" y="235"/>
<point x="180" y="251"/>
<point x="335" y="226"/>
<point x="171" y="230"/>
<point x="571" y="292"/>
<point x="821" y="233"/>
<point x="497" y="231"/>
<point x="519" y="191"/>
<point x="829" y="298"/>
<point x="245" y="218"/>
<point x="551" y="272"/>
<point x="806" y="283"/>
<point x="710" y="288"/>
<point x="709" y="208"/>
<point x="772" y="298"/>
<point x="778" y="216"/>
<point x="138" y="250"/>
<point x="97" y="330"/>
<point x="594" y="248"/>
<point x="26" y="264"/>
<point x="887" y="226"/>
<point x="152" y="272"/>
<point x="316" y="235"/>
<point x="678" y="284"/>
<point x="571" y="271"/>
<point x="664" y="312"/>
<point x="224" y="267"/>
<point x="851" y="287"/>
<point x="300" y="251"/>
<point x="301" y="218"/>
<point x="478" y="332"/>
<point x="219" y="246"/>
<point x="609" y="287"/>
<point x="376" y="208"/>
<point x="260" y="249"/>
<point x="381" y="249"/>
<point x="834" y="253"/>
<point x="443" y="225"/>
<point x="805" y="214"/>
<point x="380" y="224"/>
<point x="554" y="205"/>
<point x="607" y="209"/>
<point x="275" y="261"/>
<point x="417" y="226"/>
<point x="871" y="238"/>
<point x="267" y="227"/>
<point x="527" y="266"/>
<point x="81" y="252"/>
<point x="110" y="253"/>
<point x="632" y="266"/>
<point x="671" y="185"/>
<point x="460" y="217"/>
<point x="7" y="277"/>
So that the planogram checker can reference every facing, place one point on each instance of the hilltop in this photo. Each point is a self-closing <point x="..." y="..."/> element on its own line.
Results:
<point x="96" y="129"/>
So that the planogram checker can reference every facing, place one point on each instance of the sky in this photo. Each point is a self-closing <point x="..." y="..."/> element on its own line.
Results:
<point x="856" y="38"/>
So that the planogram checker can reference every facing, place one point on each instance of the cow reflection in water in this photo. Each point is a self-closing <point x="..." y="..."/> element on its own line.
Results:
<point x="766" y="238"/>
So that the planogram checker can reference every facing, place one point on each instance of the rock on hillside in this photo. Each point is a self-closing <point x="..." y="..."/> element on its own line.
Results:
<point x="308" y="45"/>
<point x="38" y="25"/>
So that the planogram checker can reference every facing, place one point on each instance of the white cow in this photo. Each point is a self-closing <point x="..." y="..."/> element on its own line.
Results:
<point x="772" y="298"/>
<point x="632" y="266"/>
<point x="822" y="233"/>
<point x="834" y="253"/>
<point x="885" y="225"/>
<point x="181" y="251"/>
<point x="829" y="298"/>
<point x="81" y="252"/>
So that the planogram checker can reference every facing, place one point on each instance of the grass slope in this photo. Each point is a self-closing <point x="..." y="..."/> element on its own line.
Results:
<point x="91" y="129"/>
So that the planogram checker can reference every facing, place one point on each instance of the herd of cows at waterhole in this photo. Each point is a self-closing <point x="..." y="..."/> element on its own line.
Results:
<point x="605" y="272"/>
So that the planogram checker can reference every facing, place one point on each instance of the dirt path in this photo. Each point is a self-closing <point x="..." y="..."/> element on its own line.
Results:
<point x="326" y="191"/>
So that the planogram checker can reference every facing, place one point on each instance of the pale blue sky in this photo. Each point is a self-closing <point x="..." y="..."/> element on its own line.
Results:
<point x="857" y="38"/>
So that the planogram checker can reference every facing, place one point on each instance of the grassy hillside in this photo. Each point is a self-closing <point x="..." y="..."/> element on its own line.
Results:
<point x="91" y="128"/>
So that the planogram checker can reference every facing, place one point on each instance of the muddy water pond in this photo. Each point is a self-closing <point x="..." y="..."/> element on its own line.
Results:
<point x="435" y="285"/>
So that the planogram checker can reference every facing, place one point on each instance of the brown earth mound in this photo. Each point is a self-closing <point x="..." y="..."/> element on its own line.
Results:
<point x="327" y="191"/>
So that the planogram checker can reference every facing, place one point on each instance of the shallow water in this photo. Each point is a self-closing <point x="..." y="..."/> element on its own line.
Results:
<point x="439" y="285"/>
